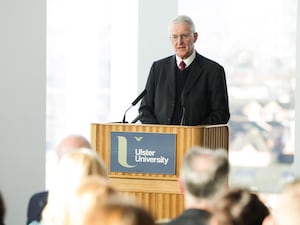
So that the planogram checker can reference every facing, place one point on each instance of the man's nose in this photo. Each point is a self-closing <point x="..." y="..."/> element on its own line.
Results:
<point x="180" y="39"/>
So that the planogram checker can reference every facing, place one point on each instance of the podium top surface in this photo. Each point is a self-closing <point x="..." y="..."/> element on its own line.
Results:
<point x="159" y="125"/>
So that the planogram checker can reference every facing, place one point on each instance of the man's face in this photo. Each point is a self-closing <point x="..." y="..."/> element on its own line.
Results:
<point x="182" y="39"/>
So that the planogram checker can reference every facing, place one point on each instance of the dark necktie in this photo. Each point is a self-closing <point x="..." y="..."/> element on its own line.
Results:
<point x="181" y="65"/>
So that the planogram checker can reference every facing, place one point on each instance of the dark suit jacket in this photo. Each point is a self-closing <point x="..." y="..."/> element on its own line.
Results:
<point x="204" y="95"/>
<point x="191" y="217"/>
<point x="36" y="205"/>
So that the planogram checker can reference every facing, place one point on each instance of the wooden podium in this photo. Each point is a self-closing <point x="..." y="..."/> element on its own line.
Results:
<point x="159" y="193"/>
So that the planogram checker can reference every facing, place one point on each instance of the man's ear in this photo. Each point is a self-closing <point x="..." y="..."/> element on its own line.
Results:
<point x="180" y="185"/>
<point x="195" y="35"/>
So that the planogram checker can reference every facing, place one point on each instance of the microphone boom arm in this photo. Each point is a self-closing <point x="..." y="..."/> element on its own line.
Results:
<point x="134" y="103"/>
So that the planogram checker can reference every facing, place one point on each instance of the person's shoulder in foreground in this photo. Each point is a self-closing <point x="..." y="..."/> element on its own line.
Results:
<point x="191" y="217"/>
<point x="36" y="205"/>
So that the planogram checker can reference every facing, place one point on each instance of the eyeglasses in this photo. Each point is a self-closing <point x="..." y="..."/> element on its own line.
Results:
<point x="175" y="37"/>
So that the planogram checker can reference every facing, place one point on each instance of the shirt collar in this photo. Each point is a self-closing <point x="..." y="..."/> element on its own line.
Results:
<point x="187" y="61"/>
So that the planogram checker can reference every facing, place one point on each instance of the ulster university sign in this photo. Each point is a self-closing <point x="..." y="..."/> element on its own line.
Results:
<point x="152" y="153"/>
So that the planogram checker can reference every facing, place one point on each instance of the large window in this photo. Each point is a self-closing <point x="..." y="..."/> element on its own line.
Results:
<point x="78" y="66"/>
<point x="83" y="66"/>
<point x="254" y="40"/>
<point x="256" y="43"/>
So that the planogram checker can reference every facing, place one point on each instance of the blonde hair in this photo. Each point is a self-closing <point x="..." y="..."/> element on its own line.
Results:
<point x="120" y="210"/>
<point x="96" y="203"/>
<point x="73" y="167"/>
<point x="90" y="195"/>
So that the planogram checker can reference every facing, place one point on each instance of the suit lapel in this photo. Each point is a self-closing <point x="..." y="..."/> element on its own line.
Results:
<point x="170" y="73"/>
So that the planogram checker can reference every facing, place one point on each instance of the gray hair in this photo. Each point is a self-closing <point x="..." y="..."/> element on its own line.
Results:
<point x="183" y="19"/>
<point x="205" y="181"/>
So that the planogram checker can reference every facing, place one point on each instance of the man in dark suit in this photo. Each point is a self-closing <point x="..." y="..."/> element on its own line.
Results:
<point x="38" y="200"/>
<point x="186" y="88"/>
<point x="203" y="179"/>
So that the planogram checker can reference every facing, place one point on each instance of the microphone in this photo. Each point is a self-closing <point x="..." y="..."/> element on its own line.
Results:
<point x="182" y="120"/>
<point x="134" y="103"/>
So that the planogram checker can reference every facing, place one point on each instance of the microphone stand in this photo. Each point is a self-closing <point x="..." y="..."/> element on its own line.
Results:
<point x="134" y="103"/>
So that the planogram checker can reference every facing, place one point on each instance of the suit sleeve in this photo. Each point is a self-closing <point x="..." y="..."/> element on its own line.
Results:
<point x="219" y="107"/>
<point x="147" y="104"/>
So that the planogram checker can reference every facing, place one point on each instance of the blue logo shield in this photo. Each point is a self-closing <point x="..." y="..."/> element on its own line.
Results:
<point x="151" y="153"/>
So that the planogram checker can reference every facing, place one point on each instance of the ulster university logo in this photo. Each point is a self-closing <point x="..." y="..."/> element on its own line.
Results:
<point x="142" y="152"/>
<point x="122" y="152"/>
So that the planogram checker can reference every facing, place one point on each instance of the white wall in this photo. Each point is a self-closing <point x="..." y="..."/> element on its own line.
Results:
<point x="22" y="98"/>
<point x="154" y="18"/>
<point x="151" y="20"/>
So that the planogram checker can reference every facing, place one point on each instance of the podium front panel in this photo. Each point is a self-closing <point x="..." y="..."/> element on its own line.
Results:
<point x="157" y="192"/>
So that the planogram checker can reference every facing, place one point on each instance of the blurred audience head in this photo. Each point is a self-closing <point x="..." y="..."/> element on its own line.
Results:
<point x="204" y="176"/>
<point x="87" y="199"/>
<point x="72" y="168"/>
<point x="79" y="163"/>
<point x="70" y="142"/>
<point x="240" y="206"/>
<point x="287" y="208"/>
<point x="2" y="209"/>
<point x="96" y="203"/>
<point x="121" y="210"/>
